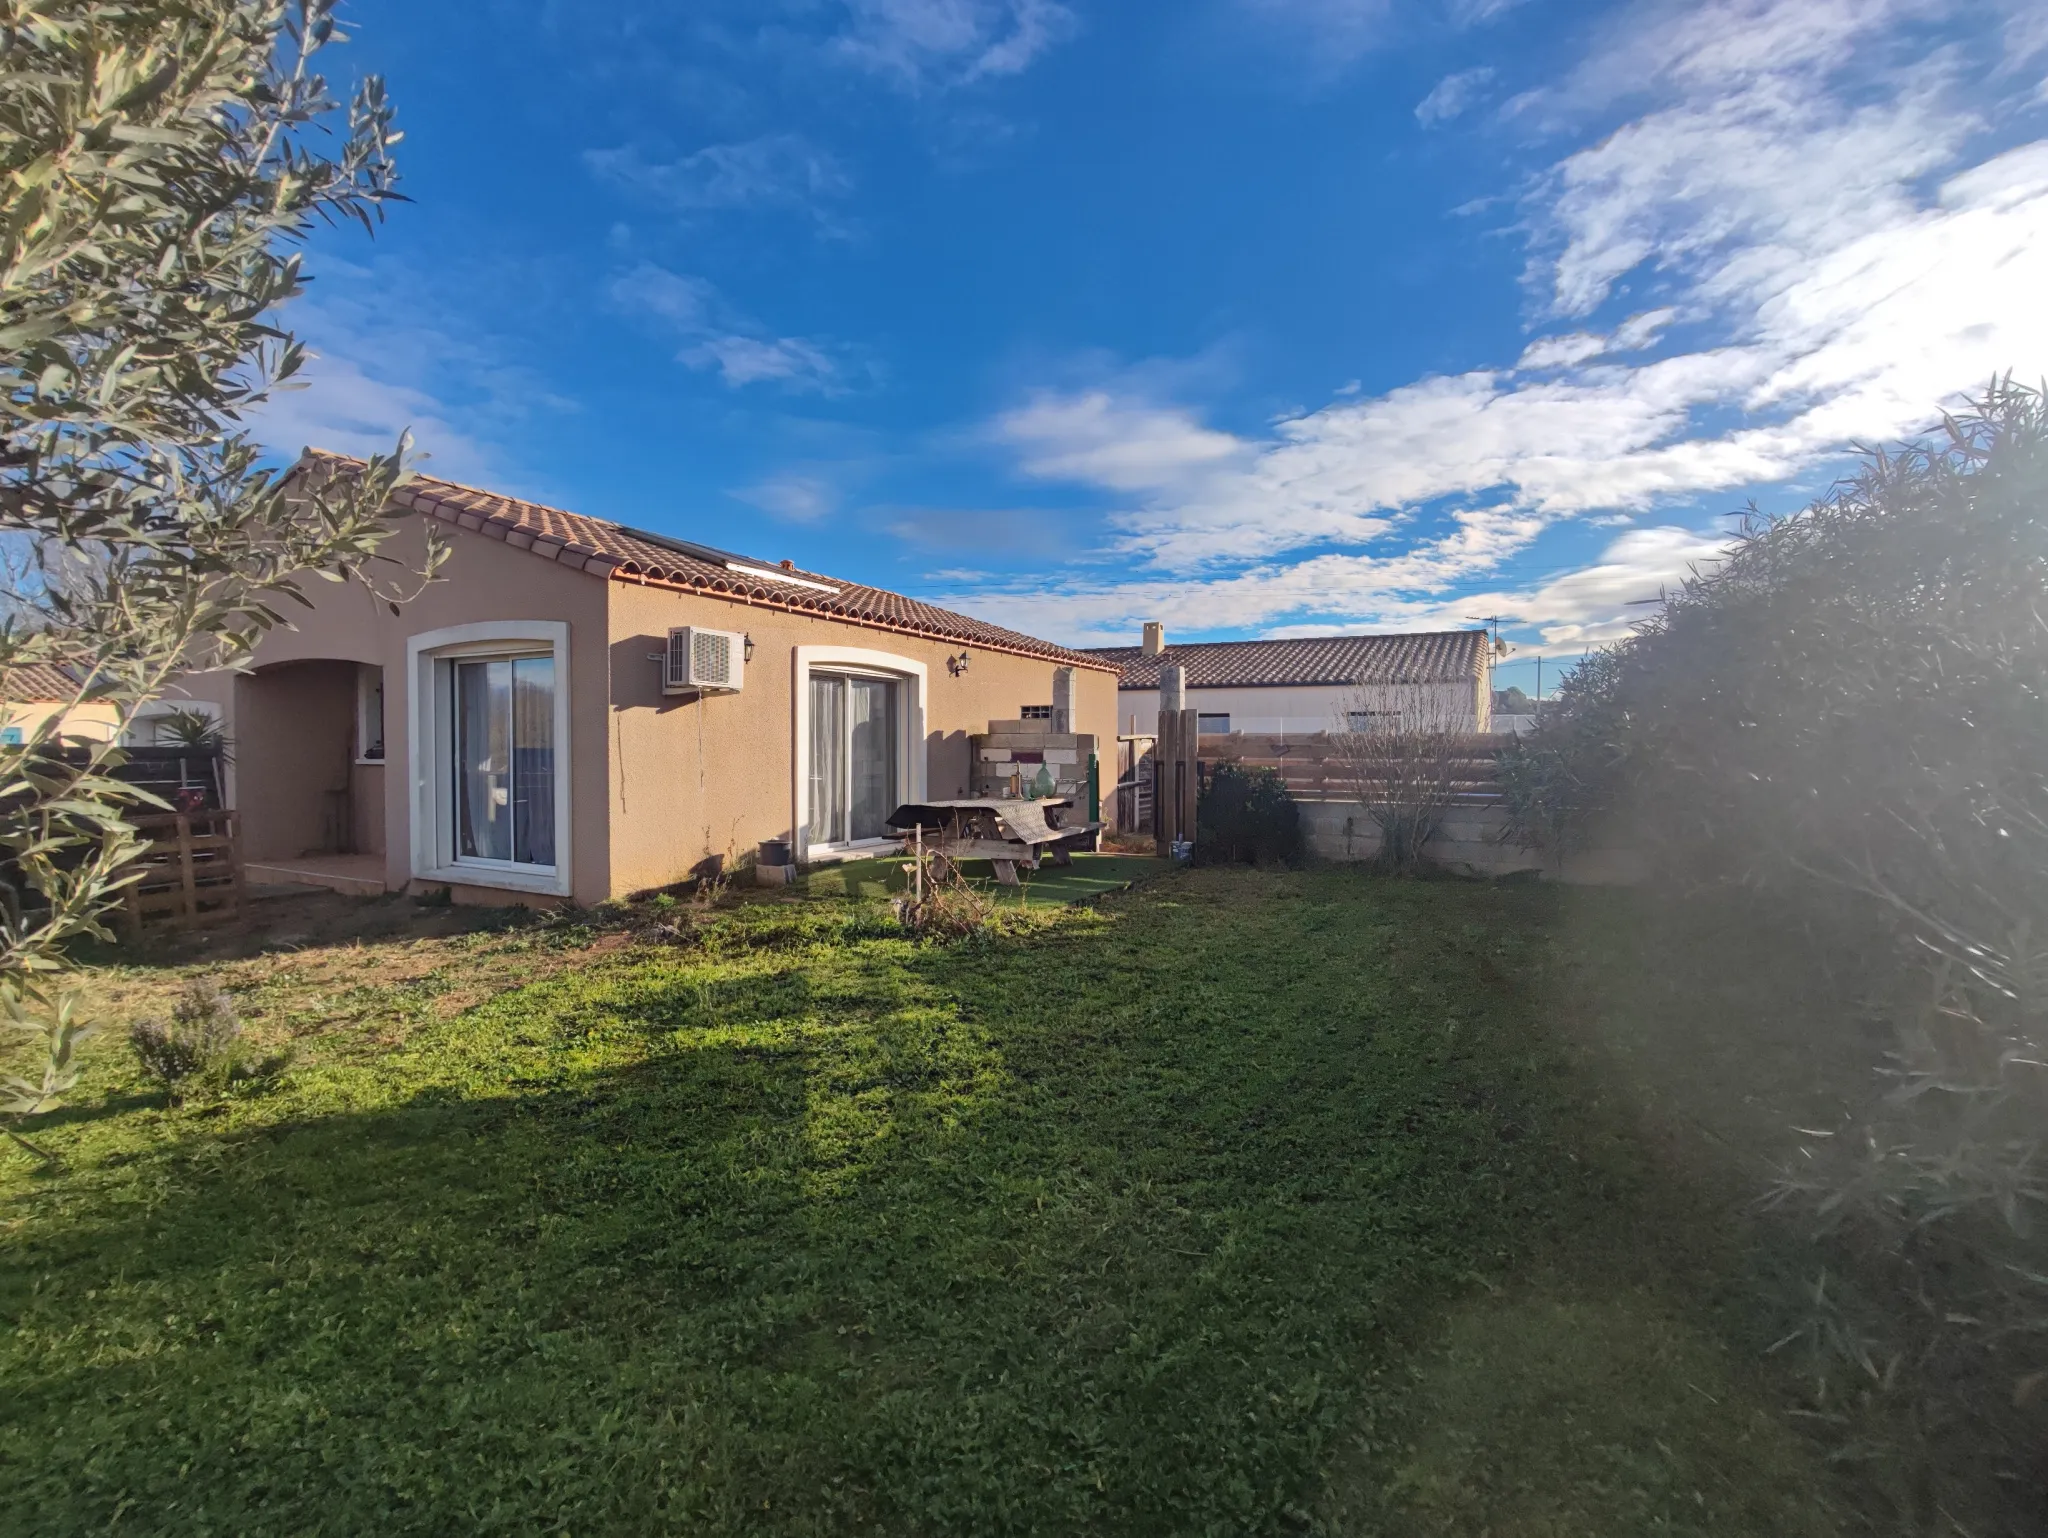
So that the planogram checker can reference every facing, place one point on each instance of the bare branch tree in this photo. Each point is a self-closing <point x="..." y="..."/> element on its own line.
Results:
<point x="1405" y="749"/>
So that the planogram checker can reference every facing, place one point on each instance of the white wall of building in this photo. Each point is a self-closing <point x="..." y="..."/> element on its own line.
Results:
<point x="1293" y="709"/>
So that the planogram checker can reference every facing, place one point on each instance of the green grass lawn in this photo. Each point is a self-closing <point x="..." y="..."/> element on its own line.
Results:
<point x="1090" y="875"/>
<point x="1239" y="1203"/>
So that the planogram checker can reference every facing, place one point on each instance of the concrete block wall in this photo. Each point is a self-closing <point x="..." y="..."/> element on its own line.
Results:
<point x="1007" y="758"/>
<point x="1470" y="843"/>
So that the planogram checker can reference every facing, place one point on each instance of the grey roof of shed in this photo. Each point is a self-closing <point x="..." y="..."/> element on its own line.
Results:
<point x="607" y="549"/>
<point x="1432" y="656"/>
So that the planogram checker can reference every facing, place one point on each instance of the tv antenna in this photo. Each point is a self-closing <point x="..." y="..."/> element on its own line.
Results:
<point x="1500" y="647"/>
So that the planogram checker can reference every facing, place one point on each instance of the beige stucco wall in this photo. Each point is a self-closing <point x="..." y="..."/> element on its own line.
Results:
<point x="483" y="580"/>
<point x="96" y="722"/>
<point x="656" y="783"/>
<point x="696" y="778"/>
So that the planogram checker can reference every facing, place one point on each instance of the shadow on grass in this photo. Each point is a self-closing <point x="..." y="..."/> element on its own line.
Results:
<point x="1122" y="1227"/>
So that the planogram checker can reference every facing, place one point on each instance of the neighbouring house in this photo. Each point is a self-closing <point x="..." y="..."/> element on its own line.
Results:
<point x="580" y="710"/>
<point x="35" y="693"/>
<point x="1308" y="684"/>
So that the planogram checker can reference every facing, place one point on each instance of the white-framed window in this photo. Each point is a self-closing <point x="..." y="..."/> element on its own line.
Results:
<point x="1036" y="713"/>
<point x="1213" y="725"/>
<point x="489" y="755"/>
<point x="369" y="713"/>
<point x="859" y="746"/>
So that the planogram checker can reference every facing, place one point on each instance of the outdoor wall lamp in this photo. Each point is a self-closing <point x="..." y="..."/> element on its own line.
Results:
<point x="746" y="648"/>
<point x="957" y="665"/>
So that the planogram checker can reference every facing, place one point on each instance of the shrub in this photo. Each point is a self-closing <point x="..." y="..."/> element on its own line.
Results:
<point x="950" y="908"/>
<point x="1246" y="817"/>
<point x="201" y="1039"/>
<point x="1843" y="723"/>
<point x="1407" y="755"/>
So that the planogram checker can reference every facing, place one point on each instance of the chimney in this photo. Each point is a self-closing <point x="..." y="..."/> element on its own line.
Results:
<point x="1155" y="638"/>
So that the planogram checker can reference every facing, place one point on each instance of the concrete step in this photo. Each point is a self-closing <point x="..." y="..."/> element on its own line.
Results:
<point x="352" y="876"/>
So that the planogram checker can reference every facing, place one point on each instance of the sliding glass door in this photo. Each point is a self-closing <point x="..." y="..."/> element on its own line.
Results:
<point x="853" y="770"/>
<point x="504" y="760"/>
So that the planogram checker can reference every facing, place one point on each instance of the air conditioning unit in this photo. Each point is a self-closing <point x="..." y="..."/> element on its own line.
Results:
<point x="703" y="661"/>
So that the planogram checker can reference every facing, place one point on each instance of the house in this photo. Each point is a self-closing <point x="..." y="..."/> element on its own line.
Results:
<point x="580" y="710"/>
<point x="35" y="693"/>
<point x="1311" y="683"/>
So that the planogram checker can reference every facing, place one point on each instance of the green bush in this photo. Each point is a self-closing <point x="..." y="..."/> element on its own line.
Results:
<point x="1246" y="817"/>
<point x="1840" y="731"/>
<point x="200" y="1041"/>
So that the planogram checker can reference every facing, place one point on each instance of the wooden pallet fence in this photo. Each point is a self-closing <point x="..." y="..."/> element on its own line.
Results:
<point x="1315" y="769"/>
<point x="191" y="871"/>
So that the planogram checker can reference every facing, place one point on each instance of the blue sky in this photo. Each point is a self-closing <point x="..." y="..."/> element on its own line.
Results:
<point x="1255" y="316"/>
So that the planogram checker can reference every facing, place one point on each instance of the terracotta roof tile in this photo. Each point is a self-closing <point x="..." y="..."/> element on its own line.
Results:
<point x="39" y="683"/>
<point x="607" y="549"/>
<point x="1436" y="656"/>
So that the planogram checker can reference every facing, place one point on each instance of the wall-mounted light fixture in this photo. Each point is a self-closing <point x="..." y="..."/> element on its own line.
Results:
<point x="957" y="665"/>
<point x="747" y="648"/>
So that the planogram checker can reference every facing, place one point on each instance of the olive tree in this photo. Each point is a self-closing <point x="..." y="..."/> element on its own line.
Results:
<point x="163" y="162"/>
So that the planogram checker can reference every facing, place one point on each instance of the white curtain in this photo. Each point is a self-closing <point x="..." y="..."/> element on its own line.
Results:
<point x="828" y="759"/>
<point x="853" y="768"/>
<point x="872" y="730"/>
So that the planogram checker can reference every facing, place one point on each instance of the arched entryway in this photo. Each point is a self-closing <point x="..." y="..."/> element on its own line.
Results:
<point x="309" y="770"/>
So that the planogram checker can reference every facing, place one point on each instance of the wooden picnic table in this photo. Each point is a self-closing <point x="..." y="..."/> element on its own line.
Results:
<point x="1008" y="832"/>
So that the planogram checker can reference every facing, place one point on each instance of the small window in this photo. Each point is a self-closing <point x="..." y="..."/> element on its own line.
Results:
<point x="1212" y="726"/>
<point x="1362" y="720"/>
<point x="1036" y="713"/>
<point x="369" y="714"/>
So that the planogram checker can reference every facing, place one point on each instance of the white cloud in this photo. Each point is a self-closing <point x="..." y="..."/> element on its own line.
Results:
<point x="348" y="410"/>
<point x="922" y="43"/>
<point x="380" y="363"/>
<point x="1569" y="611"/>
<point x="1792" y="181"/>
<point x="718" y="338"/>
<point x="1632" y="335"/>
<point x="1452" y="95"/>
<point x="1561" y="351"/>
<point x="1734" y="193"/>
<point x="1128" y="445"/>
<point x="792" y="497"/>
<point x="775" y="171"/>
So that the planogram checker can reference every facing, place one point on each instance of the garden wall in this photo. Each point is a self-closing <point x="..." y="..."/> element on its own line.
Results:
<point x="1474" y="838"/>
